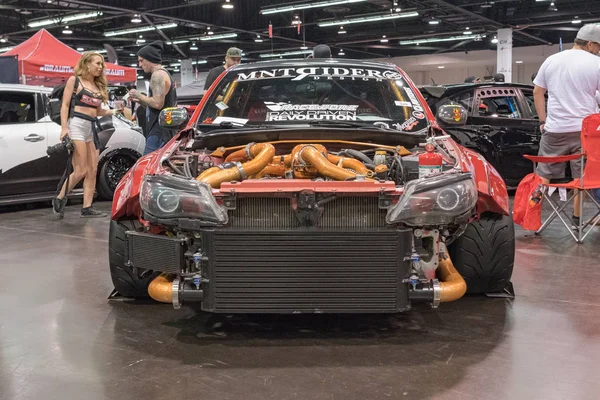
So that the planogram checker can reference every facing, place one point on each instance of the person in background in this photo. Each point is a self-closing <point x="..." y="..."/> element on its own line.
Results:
<point x="160" y="95"/>
<point x="233" y="57"/>
<point x="321" y="51"/>
<point x="82" y="102"/>
<point x="572" y="79"/>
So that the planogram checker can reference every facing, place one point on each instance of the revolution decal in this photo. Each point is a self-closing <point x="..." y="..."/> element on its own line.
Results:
<point x="298" y="74"/>
<point x="310" y="112"/>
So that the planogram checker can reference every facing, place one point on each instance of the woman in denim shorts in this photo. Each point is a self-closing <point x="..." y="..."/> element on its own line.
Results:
<point x="83" y="96"/>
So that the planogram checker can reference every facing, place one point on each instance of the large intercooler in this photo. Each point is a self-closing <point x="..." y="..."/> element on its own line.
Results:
<point x="306" y="271"/>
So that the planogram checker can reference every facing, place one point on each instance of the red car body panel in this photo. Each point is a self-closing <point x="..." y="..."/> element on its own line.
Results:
<point x="493" y="196"/>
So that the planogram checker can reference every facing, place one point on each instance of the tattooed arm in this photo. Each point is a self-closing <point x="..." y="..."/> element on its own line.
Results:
<point x="159" y="84"/>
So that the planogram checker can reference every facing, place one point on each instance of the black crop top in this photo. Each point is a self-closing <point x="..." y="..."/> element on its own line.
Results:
<point x="86" y="98"/>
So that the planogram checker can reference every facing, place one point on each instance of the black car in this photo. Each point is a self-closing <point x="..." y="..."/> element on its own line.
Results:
<point x="502" y="123"/>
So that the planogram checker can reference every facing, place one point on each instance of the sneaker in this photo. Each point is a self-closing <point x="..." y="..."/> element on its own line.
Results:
<point x="89" y="212"/>
<point x="58" y="206"/>
<point x="574" y="222"/>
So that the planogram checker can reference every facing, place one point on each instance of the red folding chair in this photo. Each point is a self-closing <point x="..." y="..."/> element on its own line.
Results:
<point x="590" y="179"/>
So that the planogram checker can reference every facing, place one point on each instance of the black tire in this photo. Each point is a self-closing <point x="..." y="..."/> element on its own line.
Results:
<point x="127" y="282"/>
<point x="111" y="171"/>
<point x="485" y="253"/>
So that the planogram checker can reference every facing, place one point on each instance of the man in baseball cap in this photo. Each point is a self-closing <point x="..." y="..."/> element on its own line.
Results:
<point x="233" y="57"/>
<point x="571" y="78"/>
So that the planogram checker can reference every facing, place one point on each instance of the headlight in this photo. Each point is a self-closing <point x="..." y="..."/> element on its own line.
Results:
<point x="173" y="197"/>
<point x="435" y="201"/>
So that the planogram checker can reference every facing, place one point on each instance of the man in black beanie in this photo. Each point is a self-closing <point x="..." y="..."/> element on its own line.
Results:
<point x="161" y="95"/>
<point x="321" y="51"/>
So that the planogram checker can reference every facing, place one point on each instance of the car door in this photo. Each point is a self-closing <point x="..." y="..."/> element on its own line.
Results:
<point x="57" y="163"/>
<point x="508" y="127"/>
<point x="23" y="142"/>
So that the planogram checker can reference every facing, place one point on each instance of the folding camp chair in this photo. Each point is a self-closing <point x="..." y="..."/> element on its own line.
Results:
<point x="590" y="180"/>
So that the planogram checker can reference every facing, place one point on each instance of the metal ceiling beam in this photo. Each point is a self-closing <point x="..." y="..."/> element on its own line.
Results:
<point x="175" y="19"/>
<point x="479" y="17"/>
<point x="164" y="36"/>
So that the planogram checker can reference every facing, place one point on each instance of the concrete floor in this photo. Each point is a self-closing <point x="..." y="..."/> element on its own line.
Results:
<point x="60" y="338"/>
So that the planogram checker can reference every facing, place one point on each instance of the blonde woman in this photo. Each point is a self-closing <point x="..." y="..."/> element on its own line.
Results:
<point x="83" y="96"/>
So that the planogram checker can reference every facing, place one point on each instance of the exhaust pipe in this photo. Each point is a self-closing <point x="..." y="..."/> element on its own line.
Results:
<point x="451" y="285"/>
<point x="166" y="289"/>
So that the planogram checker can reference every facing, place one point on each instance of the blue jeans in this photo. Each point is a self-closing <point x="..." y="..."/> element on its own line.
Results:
<point x="596" y="193"/>
<point x="153" y="143"/>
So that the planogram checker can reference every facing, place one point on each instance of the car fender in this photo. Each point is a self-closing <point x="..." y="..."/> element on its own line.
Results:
<point x="121" y="138"/>
<point x="493" y="196"/>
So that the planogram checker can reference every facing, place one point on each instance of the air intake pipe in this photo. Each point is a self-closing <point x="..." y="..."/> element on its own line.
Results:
<point x="166" y="289"/>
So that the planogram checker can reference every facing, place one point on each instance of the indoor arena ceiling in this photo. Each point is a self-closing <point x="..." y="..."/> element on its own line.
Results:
<point x="203" y="29"/>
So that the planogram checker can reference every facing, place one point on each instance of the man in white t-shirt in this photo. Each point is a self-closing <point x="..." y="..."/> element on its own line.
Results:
<point x="572" y="79"/>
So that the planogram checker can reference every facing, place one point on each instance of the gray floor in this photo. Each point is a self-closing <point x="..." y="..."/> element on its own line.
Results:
<point x="61" y="339"/>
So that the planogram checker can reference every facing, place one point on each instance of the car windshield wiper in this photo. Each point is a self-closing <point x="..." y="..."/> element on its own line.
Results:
<point x="345" y="124"/>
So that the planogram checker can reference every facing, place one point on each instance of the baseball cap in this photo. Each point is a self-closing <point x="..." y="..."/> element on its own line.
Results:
<point x="590" y="33"/>
<point x="234" y="52"/>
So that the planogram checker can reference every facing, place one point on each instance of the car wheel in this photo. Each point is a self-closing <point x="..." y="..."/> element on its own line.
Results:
<point x="485" y="253"/>
<point x="111" y="172"/>
<point x="128" y="281"/>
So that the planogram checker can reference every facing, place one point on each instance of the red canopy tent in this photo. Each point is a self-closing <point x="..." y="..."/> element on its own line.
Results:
<point x="45" y="60"/>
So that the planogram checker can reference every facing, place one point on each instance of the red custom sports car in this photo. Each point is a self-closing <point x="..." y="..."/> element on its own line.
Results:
<point x="311" y="186"/>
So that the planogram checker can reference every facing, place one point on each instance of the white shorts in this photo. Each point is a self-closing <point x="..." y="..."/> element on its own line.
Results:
<point x="80" y="129"/>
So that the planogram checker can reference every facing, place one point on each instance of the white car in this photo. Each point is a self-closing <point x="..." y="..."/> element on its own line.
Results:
<point x="27" y="173"/>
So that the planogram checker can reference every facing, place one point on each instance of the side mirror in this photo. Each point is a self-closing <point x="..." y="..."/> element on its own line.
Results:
<point x="173" y="118"/>
<point x="452" y="114"/>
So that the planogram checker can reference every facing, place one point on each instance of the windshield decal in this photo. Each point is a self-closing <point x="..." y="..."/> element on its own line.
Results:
<point x="403" y="103"/>
<point x="310" y="112"/>
<point x="298" y="74"/>
<point x="233" y="121"/>
<point x="407" y="125"/>
<point x="413" y="99"/>
<point x="418" y="115"/>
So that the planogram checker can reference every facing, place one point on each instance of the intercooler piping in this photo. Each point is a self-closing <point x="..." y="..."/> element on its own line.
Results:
<point x="451" y="285"/>
<point x="313" y="156"/>
<point x="261" y="153"/>
<point x="167" y="289"/>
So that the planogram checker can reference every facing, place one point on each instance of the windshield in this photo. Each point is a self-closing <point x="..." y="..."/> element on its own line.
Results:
<point x="277" y="96"/>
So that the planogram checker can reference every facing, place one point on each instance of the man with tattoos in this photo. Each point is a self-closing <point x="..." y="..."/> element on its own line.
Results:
<point x="161" y="95"/>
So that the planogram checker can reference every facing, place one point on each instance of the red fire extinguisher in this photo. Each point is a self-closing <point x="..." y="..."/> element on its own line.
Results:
<point x="430" y="162"/>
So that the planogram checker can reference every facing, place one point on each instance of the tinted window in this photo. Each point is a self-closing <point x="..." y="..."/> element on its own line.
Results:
<point x="17" y="107"/>
<point x="300" y="95"/>
<point x="530" y="103"/>
<point x="465" y="99"/>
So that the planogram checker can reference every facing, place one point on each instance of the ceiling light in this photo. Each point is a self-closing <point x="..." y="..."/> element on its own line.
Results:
<point x="179" y="42"/>
<point x="140" y="77"/>
<point x="227" y="4"/>
<point x="140" y="29"/>
<point x="211" y="33"/>
<point x="319" y="4"/>
<point x="540" y="0"/>
<point x="3" y="49"/>
<point x="495" y="40"/>
<point x="136" y="19"/>
<point x="133" y="65"/>
<point x="67" y="31"/>
<point x="434" y="40"/>
<point x="342" y="30"/>
<point x="65" y="19"/>
<point x="373" y="18"/>
<point x="341" y="53"/>
<point x="49" y="1"/>
<point x="193" y="47"/>
<point x="434" y="21"/>
<point x="80" y="49"/>
<point x="383" y="39"/>
<point x="576" y="21"/>
<point x="98" y="51"/>
<point x="304" y="47"/>
<point x="289" y="53"/>
<point x="552" y="7"/>
<point x="441" y="67"/>
<point x="176" y="70"/>
<point x="217" y="37"/>
<point x="487" y="5"/>
<point x="3" y="40"/>
<point x="518" y="62"/>
<point x="175" y="64"/>
<point x="258" y="39"/>
<point x="140" y="41"/>
<point x="296" y="20"/>
<point x="199" y="62"/>
<point x="131" y="55"/>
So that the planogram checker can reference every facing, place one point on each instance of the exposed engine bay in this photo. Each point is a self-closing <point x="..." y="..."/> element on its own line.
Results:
<point x="333" y="161"/>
